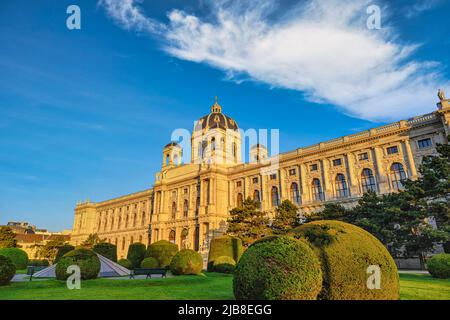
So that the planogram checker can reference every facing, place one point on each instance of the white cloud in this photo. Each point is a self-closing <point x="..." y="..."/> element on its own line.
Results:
<point x="420" y="6"/>
<point x="320" y="48"/>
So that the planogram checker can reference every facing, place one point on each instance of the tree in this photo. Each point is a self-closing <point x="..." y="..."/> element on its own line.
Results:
<point x="248" y="223"/>
<point x="331" y="211"/>
<point x="49" y="250"/>
<point x="7" y="238"/>
<point x="286" y="217"/>
<point x="92" y="240"/>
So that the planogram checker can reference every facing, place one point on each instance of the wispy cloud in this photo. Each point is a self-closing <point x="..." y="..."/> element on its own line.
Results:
<point x="320" y="48"/>
<point x="420" y="6"/>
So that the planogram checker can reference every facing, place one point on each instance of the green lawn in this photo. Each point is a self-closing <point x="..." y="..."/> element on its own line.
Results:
<point x="210" y="286"/>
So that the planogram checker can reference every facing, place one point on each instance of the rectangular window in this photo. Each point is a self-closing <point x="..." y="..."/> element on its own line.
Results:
<point x="363" y="156"/>
<point x="255" y="180"/>
<point x="185" y="191"/>
<point x="337" y="162"/>
<point x="239" y="184"/>
<point x="424" y="143"/>
<point x="273" y="176"/>
<point x="313" y="167"/>
<point x="392" y="150"/>
<point x="292" y="172"/>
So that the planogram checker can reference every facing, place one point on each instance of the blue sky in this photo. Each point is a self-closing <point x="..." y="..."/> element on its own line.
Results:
<point x="85" y="113"/>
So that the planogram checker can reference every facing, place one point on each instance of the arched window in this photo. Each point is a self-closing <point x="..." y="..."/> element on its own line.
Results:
<point x="256" y="196"/>
<point x="123" y="243"/>
<point x="134" y="220"/>
<point x="341" y="186"/>
<point x="295" y="194"/>
<point x="186" y="208"/>
<point x="131" y="240"/>
<point x="368" y="182"/>
<point x="233" y="150"/>
<point x="167" y="159"/>
<point x="140" y="239"/>
<point x="275" y="197"/>
<point x="240" y="200"/>
<point x="126" y="221"/>
<point x="143" y="217"/>
<point x="213" y="144"/>
<point x="174" y="210"/>
<point x="397" y="175"/>
<point x="317" y="190"/>
<point x="184" y="235"/>
<point x="175" y="159"/>
<point x="112" y="222"/>
<point x="172" y="236"/>
<point x="120" y="221"/>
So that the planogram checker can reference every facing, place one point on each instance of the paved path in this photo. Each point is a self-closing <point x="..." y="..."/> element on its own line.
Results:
<point x="414" y="271"/>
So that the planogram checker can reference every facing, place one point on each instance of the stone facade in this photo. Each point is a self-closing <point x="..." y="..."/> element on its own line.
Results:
<point x="189" y="203"/>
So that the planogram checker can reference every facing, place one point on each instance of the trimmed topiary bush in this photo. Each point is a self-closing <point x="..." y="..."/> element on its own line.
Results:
<point x="7" y="270"/>
<point x="163" y="251"/>
<point x="17" y="256"/>
<point x="86" y="259"/>
<point x="278" y="268"/>
<point x="38" y="263"/>
<point x="136" y="253"/>
<point x="149" y="263"/>
<point x="224" y="264"/>
<point x="62" y="251"/>
<point x="107" y="250"/>
<point x="346" y="252"/>
<point x="186" y="261"/>
<point x="125" y="263"/>
<point x="439" y="266"/>
<point x="224" y="246"/>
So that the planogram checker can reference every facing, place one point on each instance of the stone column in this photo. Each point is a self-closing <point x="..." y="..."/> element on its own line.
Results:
<point x="412" y="166"/>
<point x="352" y="177"/>
<point x="284" y="195"/>
<point x="381" y="175"/>
<point x="304" y="184"/>
<point x="327" y="180"/>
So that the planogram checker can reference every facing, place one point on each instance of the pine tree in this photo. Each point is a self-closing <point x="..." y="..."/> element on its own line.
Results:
<point x="7" y="238"/>
<point x="92" y="240"/>
<point x="286" y="217"/>
<point x="248" y="222"/>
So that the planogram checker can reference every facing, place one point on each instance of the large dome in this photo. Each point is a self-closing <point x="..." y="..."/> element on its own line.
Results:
<point x="216" y="119"/>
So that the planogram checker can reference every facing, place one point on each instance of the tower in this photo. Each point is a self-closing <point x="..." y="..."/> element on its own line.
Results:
<point x="172" y="154"/>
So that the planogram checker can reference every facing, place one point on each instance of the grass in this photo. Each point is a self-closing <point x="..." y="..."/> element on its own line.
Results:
<point x="210" y="286"/>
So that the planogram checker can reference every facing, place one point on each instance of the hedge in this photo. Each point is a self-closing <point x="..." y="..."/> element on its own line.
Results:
<point x="186" y="261"/>
<point x="38" y="263"/>
<point x="125" y="263"/>
<point x="346" y="252"/>
<point x="62" y="251"/>
<point x="224" y="246"/>
<point x="17" y="256"/>
<point x="107" y="250"/>
<point x="7" y="270"/>
<point x="86" y="259"/>
<point x="278" y="268"/>
<point x="163" y="251"/>
<point x="149" y="263"/>
<point x="439" y="266"/>
<point x="136" y="253"/>
<point x="224" y="264"/>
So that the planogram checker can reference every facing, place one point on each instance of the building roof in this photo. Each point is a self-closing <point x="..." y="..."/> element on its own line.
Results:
<point x="216" y="119"/>
<point x="33" y="238"/>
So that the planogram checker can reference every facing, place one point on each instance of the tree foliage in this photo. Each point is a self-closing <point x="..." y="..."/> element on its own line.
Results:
<point x="92" y="240"/>
<point x="7" y="237"/>
<point x="286" y="218"/>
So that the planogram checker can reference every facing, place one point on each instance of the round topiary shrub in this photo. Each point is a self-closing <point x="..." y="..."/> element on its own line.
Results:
<point x="186" y="261"/>
<point x="136" y="253"/>
<point x="149" y="263"/>
<point x="439" y="266"/>
<point x="163" y="251"/>
<point x="17" y="256"/>
<point x="224" y="246"/>
<point x="278" y="268"/>
<point x="62" y="251"/>
<point x="224" y="264"/>
<point x="107" y="250"/>
<point x="86" y="259"/>
<point x="125" y="263"/>
<point x="347" y="253"/>
<point x="7" y="270"/>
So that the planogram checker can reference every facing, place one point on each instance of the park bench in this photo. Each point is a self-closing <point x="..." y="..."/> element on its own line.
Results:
<point x="148" y="272"/>
<point x="31" y="270"/>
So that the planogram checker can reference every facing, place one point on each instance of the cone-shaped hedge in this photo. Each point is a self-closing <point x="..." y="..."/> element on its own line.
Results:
<point x="7" y="270"/>
<point x="17" y="256"/>
<point x="186" y="262"/>
<point x="163" y="251"/>
<point x="224" y="246"/>
<point x="107" y="250"/>
<point x="278" y="268"/>
<point x="346" y="252"/>
<point x="86" y="259"/>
